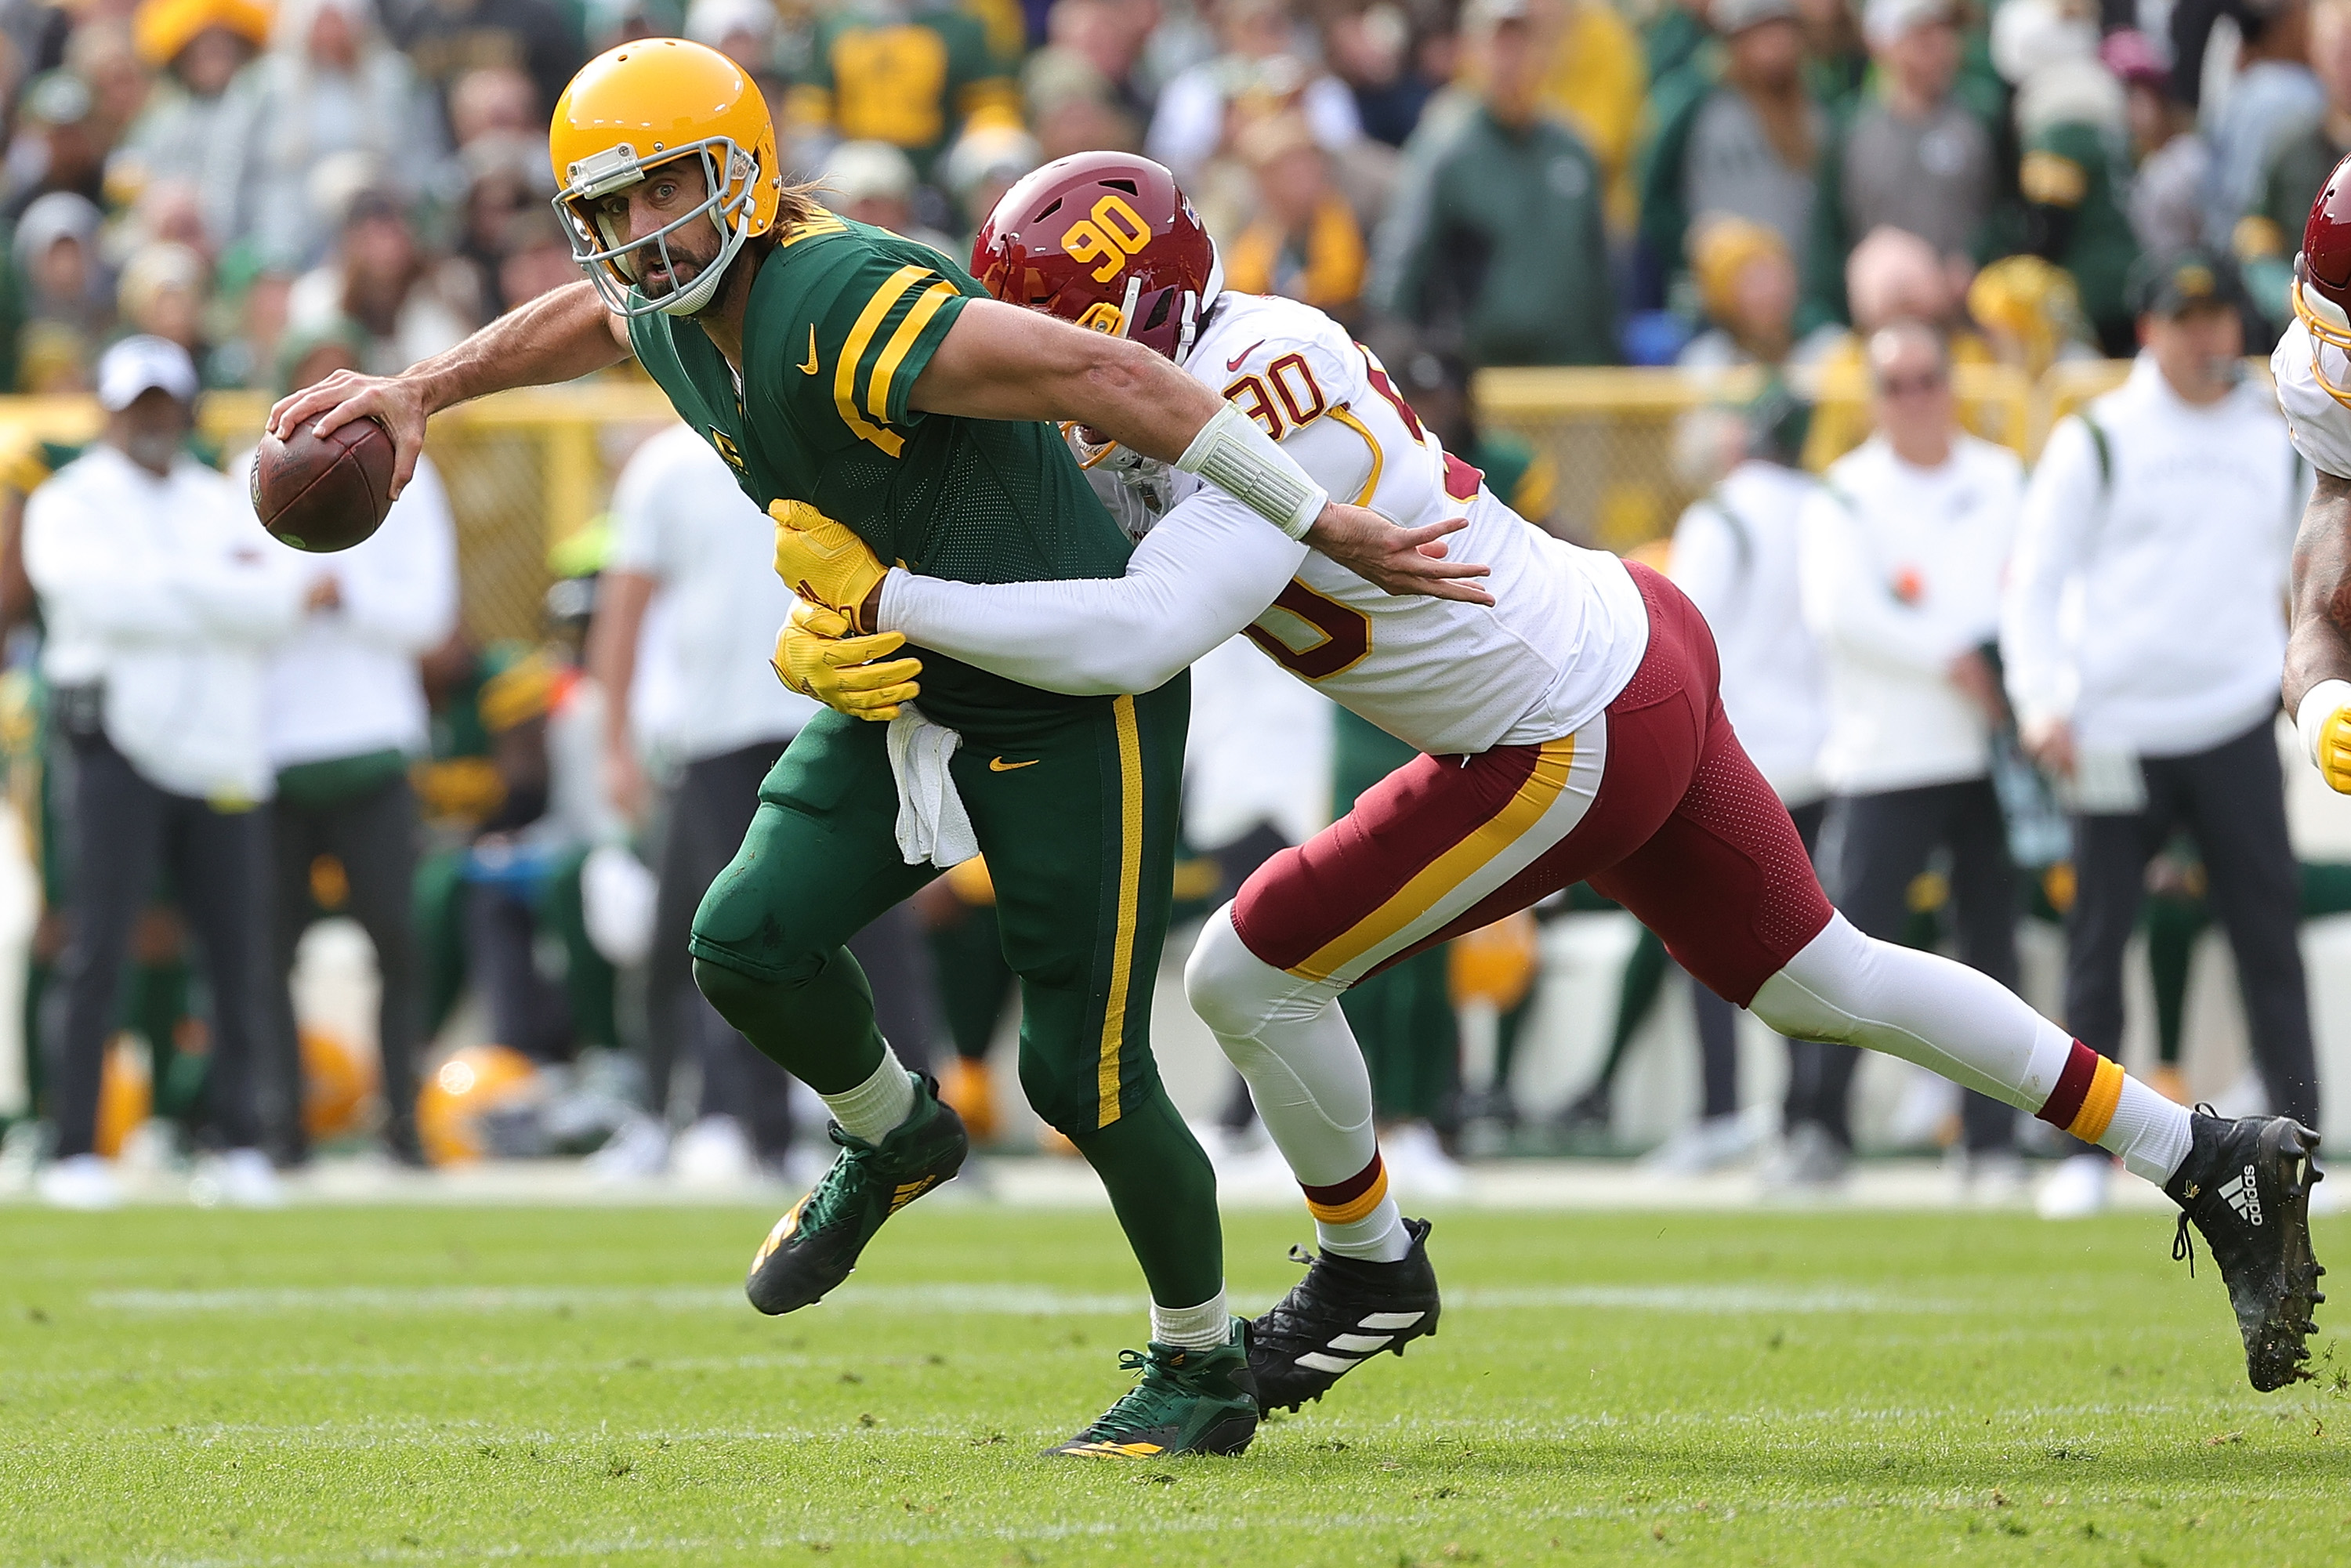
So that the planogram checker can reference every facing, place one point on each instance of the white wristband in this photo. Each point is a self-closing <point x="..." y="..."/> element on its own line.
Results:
<point x="1233" y="452"/>
<point x="2318" y="705"/>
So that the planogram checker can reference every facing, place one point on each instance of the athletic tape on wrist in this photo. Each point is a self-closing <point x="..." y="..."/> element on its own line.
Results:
<point x="2318" y="705"/>
<point x="1233" y="452"/>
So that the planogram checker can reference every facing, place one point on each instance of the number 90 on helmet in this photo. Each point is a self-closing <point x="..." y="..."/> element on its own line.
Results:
<point x="2322" y="276"/>
<point x="1105" y="240"/>
<point x="633" y="110"/>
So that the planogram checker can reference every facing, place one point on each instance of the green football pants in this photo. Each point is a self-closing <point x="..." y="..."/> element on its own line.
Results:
<point x="1077" y="816"/>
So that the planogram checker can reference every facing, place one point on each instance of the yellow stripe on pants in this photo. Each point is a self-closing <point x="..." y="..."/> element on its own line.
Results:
<point x="1130" y="900"/>
<point x="1448" y="871"/>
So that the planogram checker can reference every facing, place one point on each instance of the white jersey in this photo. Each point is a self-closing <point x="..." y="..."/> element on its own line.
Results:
<point x="2321" y="427"/>
<point x="1567" y="632"/>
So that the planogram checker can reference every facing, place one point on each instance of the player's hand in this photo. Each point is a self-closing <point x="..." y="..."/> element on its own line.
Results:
<point x="1397" y="559"/>
<point x="826" y="563"/>
<point x="2332" y="750"/>
<point x="2050" y="742"/>
<point x="817" y="658"/>
<point x="395" y="401"/>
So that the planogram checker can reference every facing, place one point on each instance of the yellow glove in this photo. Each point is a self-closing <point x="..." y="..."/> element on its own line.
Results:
<point x="823" y="562"/>
<point x="2324" y="721"/>
<point x="815" y="658"/>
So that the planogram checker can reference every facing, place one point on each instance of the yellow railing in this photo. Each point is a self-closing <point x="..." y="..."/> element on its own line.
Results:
<point x="526" y="469"/>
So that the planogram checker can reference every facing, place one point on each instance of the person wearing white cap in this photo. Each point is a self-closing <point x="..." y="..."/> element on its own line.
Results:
<point x="1912" y="155"/>
<point x="160" y="597"/>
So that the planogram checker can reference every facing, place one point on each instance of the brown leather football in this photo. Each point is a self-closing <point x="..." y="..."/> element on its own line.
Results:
<point x="327" y="494"/>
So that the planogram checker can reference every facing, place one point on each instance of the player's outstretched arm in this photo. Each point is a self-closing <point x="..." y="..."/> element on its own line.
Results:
<point x="558" y="337"/>
<point x="998" y="361"/>
<point x="2318" y="651"/>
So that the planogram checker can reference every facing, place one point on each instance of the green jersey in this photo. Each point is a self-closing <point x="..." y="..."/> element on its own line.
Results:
<point x="841" y="320"/>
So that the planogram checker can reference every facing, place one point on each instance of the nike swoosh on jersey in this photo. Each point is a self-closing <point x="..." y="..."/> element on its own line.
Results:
<point x="810" y="368"/>
<point x="1235" y="363"/>
<point x="997" y="764"/>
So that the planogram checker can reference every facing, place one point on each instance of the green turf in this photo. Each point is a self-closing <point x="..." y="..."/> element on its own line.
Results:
<point x="340" y="1386"/>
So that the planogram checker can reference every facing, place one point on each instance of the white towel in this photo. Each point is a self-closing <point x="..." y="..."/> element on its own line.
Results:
<point x="932" y="823"/>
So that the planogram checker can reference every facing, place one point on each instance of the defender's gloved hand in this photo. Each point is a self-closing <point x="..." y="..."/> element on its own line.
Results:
<point x="825" y="563"/>
<point x="816" y="658"/>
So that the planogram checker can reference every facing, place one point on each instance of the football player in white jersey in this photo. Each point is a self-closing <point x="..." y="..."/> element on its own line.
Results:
<point x="2312" y="366"/>
<point x="1571" y="731"/>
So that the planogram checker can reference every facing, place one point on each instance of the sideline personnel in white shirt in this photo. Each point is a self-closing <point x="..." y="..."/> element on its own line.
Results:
<point x="2144" y="640"/>
<point x="1737" y="554"/>
<point x="161" y="598"/>
<point x="1903" y="552"/>
<point x="345" y="713"/>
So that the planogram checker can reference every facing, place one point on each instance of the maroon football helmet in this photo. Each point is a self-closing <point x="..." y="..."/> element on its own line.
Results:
<point x="2322" y="275"/>
<point x="1105" y="240"/>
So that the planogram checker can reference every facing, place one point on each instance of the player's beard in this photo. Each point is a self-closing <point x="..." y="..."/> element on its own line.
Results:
<point x="684" y="269"/>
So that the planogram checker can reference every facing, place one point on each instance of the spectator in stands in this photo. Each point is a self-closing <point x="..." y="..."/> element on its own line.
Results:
<point x="1371" y="49"/>
<point x="1742" y="140"/>
<point x="2275" y="94"/>
<point x="407" y="305"/>
<point x="915" y="78"/>
<point x="1594" y="79"/>
<point x="1915" y="154"/>
<point x="447" y="38"/>
<point x="344" y="715"/>
<point x="506" y="177"/>
<point x="744" y="31"/>
<point x="103" y="53"/>
<point x="496" y="101"/>
<point x="2166" y="192"/>
<point x="2070" y="118"/>
<point x="1110" y="39"/>
<point x="59" y="145"/>
<point x="197" y="47"/>
<point x="1263" y="63"/>
<point x="163" y="295"/>
<point x="65" y="293"/>
<point x="1891" y="276"/>
<point x="1746" y="279"/>
<point x="1304" y="242"/>
<point x="1499" y="243"/>
<point x="2142" y="642"/>
<point x="159" y="605"/>
<point x="1902" y="556"/>
<point x="2029" y="314"/>
<point x="1737" y="554"/>
<point x="329" y="84"/>
<point x="2265" y="239"/>
<point x="873" y="182"/>
<point x="687" y="537"/>
<point x="981" y="167"/>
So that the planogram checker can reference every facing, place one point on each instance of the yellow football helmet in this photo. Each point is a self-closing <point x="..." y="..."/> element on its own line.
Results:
<point x="647" y="104"/>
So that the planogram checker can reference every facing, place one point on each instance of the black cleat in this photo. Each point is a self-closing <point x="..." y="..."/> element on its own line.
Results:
<point x="2246" y="1185"/>
<point x="815" y="1246"/>
<point x="1344" y="1312"/>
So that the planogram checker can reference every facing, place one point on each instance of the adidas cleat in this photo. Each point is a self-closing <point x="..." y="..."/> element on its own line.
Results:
<point x="2246" y="1185"/>
<point x="1185" y="1402"/>
<point x="814" y="1247"/>
<point x="1345" y="1311"/>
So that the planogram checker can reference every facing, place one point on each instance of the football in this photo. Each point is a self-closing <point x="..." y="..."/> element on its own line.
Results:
<point x="327" y="493"/>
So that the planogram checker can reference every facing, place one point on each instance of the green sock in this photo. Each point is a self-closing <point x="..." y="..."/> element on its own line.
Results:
<point x="1644" y="977"/>
<point x="817" y="1026"/>
<point x="1164" y="1193"/>
<point x="2173" y="924"/>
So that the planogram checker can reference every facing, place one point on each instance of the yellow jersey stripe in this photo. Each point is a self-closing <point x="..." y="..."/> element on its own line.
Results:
<point x="902" y="343"/>
<point x="1130" y="900"/>
<point x="1451" y="869"/>
<point x="861" y="338"/>
<point x="1363" y="497"/>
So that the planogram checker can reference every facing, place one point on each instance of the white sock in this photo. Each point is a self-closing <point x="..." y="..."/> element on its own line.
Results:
<point x="2149" y="1131"/>
<point x="1378" y="1238"/>
<point x="880" y="1105"/>
<point x="1208" y="1326"/>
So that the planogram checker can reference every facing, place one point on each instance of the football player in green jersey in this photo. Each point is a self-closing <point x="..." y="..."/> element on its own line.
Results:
<point x="842" y="370"/>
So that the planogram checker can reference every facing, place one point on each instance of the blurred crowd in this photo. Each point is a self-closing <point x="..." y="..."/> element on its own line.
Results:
<point x="203" y="194"/>
<point x="1530" y="182"/>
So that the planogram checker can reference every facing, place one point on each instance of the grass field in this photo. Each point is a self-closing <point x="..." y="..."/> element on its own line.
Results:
<point x="459" y="1386"/>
